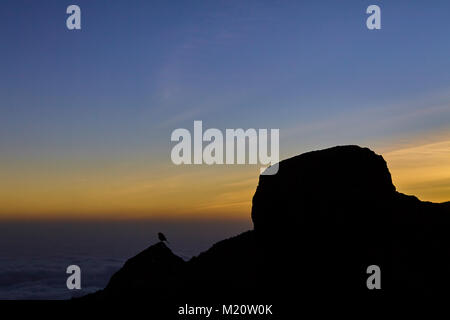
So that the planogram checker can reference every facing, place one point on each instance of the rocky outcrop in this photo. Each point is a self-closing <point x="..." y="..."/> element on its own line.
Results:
<point x="155" y="268"/>
<point x="319" y="186"/>
<point x="318" y="224"/>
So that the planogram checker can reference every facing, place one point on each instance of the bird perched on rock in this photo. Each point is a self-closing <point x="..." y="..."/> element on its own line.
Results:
<point x="162" y="237"/>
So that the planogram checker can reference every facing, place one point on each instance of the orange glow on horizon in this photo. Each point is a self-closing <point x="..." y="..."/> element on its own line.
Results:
<point x="422" y="170"/>
<point x="169" y="192"/>
<point x="166" y="191"/>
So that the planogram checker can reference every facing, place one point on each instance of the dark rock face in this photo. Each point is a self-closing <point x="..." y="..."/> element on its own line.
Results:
<point x="333" y="208"/>
<point x="155" y="267"/>
<point x="318" y="224"/>
<point x="320" y="184"/>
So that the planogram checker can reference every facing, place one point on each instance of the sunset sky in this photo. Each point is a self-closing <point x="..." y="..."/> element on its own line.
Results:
<point x="86" y="116"/>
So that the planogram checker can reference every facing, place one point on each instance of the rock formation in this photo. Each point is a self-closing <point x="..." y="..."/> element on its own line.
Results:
<point x="318" y="224"/>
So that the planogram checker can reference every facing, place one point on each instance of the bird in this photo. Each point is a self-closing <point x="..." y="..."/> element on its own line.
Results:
<point x="162" y="237"/>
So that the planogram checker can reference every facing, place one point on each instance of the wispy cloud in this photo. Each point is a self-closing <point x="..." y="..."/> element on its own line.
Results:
<point x="422" y="169"/>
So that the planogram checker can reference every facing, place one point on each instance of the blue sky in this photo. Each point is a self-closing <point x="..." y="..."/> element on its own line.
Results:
<point x="115" y="90"/>
<point x="146" y="64"/>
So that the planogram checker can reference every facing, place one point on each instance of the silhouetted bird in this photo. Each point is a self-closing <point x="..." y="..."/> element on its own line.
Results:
<point x="162" y="237"/>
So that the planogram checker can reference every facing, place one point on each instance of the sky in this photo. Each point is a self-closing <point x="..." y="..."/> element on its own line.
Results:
<point x="86" y="115"/>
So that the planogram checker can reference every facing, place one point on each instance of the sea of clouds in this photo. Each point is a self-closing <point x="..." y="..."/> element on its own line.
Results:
<point x="34" y="256"/>
<point x="45" y="277"/>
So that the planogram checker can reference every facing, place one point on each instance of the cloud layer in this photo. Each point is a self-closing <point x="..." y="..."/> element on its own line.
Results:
<point x="45" y="278"/>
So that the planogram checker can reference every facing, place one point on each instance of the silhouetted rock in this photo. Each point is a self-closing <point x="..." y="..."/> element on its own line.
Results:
<point x="331" y="207"/>
<point x="156" y="265"/>
<point x="318" y="224"/>
<point x="153" y="272"/>
<point x="320" y="184"/>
